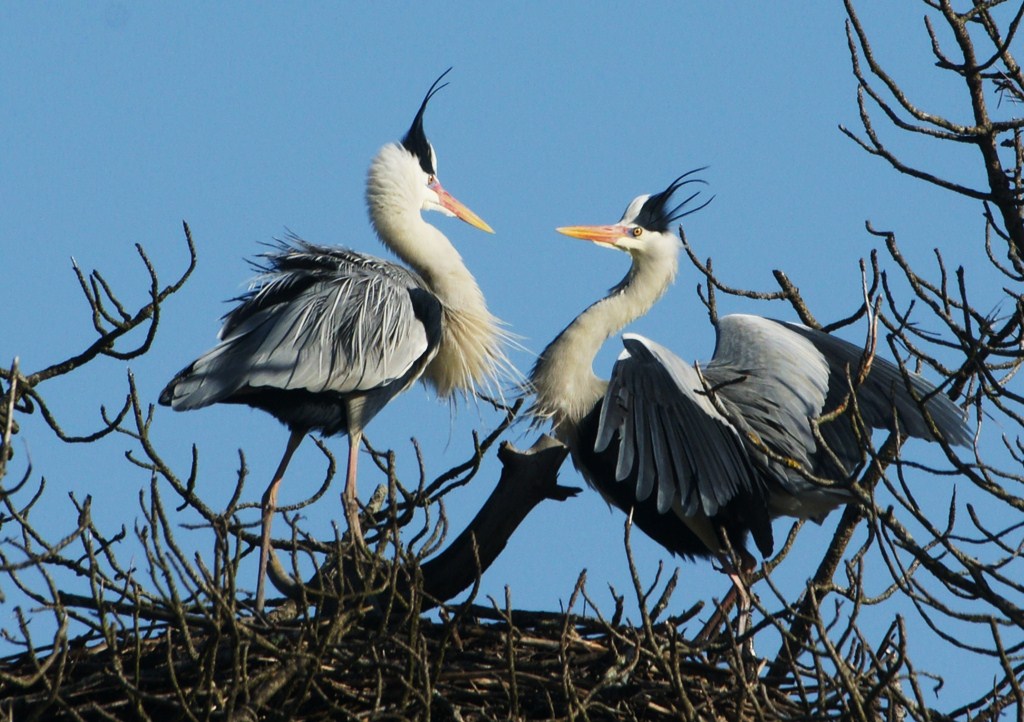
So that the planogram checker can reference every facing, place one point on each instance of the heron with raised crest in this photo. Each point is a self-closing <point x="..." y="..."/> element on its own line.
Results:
<point x="705" y="456"/>
<point x="327" y="336"/>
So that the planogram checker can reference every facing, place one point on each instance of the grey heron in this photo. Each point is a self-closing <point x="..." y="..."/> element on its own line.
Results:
<point x="327" y="336"/>
<point x="704" y="457"/>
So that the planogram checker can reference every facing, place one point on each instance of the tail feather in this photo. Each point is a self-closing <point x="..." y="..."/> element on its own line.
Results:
<point x="199" y="384"/>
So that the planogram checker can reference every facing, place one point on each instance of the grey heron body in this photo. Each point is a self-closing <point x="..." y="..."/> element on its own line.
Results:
<point x="328" y="336"/>
<point x="684" y="450"/>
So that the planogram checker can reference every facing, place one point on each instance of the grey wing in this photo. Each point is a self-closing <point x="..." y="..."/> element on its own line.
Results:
<point x="770" y="380"/>
<point x="357" y="325"/>
<point x="672" y="440"/>
<point x="775" y="377"/>
<point x="883" y="398"/>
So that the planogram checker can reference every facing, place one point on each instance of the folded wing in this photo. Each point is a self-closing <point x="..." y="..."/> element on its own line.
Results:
<point x="320" y="319"/>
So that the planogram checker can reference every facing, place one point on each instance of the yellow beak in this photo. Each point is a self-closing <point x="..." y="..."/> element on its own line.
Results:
<point x="609" y="235"/>
<point x="452" y="204"/>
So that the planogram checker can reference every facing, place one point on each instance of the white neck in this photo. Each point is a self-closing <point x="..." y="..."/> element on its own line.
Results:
<point x="395" y="194"/>
<point x="563" y="379"/>
<point x="470" y="354"/>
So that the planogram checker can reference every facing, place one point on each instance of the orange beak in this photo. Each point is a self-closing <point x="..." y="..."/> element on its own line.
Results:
<point x="461" y="211"/>
<point x="608" y="235"/>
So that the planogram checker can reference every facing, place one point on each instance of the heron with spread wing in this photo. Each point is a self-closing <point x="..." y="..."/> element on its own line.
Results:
<point x="328" y="336"/>
<point x="704" y="457"/>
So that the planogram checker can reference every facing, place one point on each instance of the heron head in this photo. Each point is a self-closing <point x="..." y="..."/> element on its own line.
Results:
<point x="644" y="225"/>
<point x="433" y="195"/>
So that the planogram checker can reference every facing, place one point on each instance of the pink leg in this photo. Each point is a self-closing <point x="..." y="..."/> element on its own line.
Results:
<point x="349" y="498"/>
<point x="267" y="507"/>
<point x="747" y="565"/>
<point x="738" y="593"/>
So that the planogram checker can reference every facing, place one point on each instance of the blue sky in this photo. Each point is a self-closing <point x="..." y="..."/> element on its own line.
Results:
<point x="122" y="119"/>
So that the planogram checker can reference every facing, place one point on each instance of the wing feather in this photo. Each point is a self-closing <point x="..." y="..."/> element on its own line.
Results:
<point x="776" y="377"/>
<point x="883" y="397"/>
<point x="671" y="437"/>
<point x="669" y="465"/>
<point x="320" y="319"/>
<point x="646" y="468"/>
<point x="793" y="374"/>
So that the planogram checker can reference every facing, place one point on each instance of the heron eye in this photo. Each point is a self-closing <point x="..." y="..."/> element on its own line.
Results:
<point x="431" y="180"/>
<point x="637" y="232"/>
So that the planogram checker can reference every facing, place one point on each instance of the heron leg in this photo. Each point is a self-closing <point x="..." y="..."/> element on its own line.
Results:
<point x="349" y="498"/>
<point x="267" y="506"/>
<point x="737" y="596"/>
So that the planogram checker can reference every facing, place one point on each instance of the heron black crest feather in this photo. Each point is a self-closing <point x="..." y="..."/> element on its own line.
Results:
<point x="655" y="216"/>
<point x="415" y="141"/>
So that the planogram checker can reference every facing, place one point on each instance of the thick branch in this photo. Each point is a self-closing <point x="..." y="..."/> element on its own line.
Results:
<point x="527" y="478"/>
